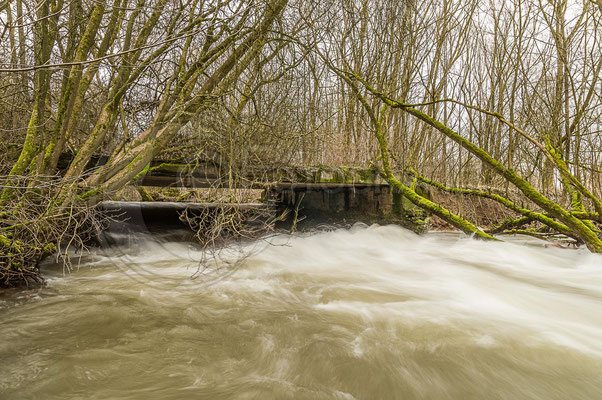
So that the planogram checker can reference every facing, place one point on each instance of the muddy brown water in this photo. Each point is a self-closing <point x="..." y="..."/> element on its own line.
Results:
<point x="362" y="313"/>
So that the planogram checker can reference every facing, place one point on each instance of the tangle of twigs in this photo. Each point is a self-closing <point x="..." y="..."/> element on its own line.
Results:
<point x="34" y="224"/>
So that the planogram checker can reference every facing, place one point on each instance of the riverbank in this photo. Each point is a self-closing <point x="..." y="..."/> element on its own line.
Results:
<point x="338" y="197"/>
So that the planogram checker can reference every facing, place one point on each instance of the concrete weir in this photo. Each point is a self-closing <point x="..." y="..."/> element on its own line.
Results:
<point x="311" y="194"/>
<point x="153" y="212"/>
<point x="326" y="194"/>
<point x="134" y="217"/>
<point x="349" y="203"/>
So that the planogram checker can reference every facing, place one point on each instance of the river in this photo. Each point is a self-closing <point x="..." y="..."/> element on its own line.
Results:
<point x="362" y="313"/>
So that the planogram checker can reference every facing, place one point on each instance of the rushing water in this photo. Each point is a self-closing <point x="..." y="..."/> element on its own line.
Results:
<point x="366" y="313"/>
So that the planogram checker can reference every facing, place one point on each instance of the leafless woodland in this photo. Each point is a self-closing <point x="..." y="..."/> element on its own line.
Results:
<point x="469" y="96"/>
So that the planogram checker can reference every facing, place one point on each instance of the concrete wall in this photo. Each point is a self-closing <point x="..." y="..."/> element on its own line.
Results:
<point x="349" y="204"/>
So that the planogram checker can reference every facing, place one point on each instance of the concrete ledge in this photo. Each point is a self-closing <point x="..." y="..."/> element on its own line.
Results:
<point x="172" y="205"/>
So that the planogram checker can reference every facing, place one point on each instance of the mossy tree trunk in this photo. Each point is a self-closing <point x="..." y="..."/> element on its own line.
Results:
<point x="580" y="229"/>
<point x="416" y="199"/>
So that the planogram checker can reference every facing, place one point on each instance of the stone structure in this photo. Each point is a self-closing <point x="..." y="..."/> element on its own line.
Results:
<point x="346" y="195"/>
<point x="312" y="194"/>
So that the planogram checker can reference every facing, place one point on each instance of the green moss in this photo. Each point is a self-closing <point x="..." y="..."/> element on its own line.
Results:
<point x="50" y="248"/>
<point x="142" y="173"/>
<point x="368" y="175"/>
<point x="173" y="167"/>
<point x="146" y="196"/>
<point x="4" y="241"/>
<point x="15" y="245"/>
<point x="326" y="174"/>
<point x="91" y="193"/>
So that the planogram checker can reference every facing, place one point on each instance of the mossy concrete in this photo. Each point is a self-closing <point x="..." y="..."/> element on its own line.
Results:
<point x="321" y="192"/>
<point x="368" y="203"/>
